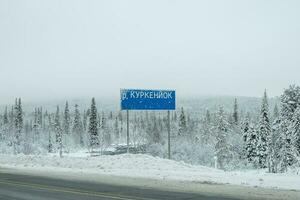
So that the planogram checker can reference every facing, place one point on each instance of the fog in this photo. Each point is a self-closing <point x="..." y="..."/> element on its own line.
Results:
<point x="74" y="49"/>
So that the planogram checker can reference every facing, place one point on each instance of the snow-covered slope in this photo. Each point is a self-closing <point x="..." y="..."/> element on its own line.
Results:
<point x="145" y="166"/>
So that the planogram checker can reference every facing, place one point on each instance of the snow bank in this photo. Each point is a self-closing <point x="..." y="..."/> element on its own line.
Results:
<point x="145" y="166"/>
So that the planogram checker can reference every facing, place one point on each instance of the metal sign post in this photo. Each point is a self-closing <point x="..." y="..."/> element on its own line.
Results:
<point x="148" y="100"/>
<point x="169" y="136"/>
<point x="127" y="112"/>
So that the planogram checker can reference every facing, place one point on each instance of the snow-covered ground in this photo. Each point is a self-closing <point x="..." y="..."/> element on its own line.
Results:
<point x="145" y="166"/>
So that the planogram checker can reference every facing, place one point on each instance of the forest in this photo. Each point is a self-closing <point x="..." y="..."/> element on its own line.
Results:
<point x="224" y="138"/>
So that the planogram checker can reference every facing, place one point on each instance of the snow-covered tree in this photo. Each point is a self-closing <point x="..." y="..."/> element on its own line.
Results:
<point x="67" y="120"/>
<point x="104" y="132"/>
<point x="275" y="142"/>
<point x="50" y="128"/>
<point x="18" y="121"/>
<point x="156" y="132"/>
<point x="245" y="131"/>
<point x="84" y="120"/>
<point x="58" y="131"/>
<point x="222" y="149"/>
<point x="251" y="145"/>
<point x="285" y="153"/>
<point x="175" y="116"/>
<point x="235" y="114"/>
<point x="275" y="112"/>
<point x="93" y="126"/>
<point x="205" y="132"/>
<point x="294" y="130"/>
<point x="5" y="116"/>
<point x="111" y="115"/>
<point x="40" y="117"/>
<point x="275" y="148"/>
<point x="5" y="126"/>
<point x="207" y="116"/>
<point x="264" y="132"/>
<point x="36" y="125"/>
<point x="116" y="129"/>
<point x="77" y="126"/>
<point x="290" y="101"/>
<point x="182" y="123"/>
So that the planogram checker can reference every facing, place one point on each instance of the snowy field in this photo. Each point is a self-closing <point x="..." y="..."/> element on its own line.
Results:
<point x="145" y="166"/>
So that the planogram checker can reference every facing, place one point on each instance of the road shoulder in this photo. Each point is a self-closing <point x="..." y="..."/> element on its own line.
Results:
<point x="206" y="188"/>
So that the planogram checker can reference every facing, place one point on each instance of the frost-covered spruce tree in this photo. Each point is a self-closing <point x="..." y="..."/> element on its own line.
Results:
<point x="36" y="126"/>
<point x="105" y="131"/>
<point x="116" y="129"/>
<point x="66" y="126"/>
<point x="273" y="149"/>
<point x="5" y="116"/>
<point x="120" y="117"/>
<point x="99" y="118"/>
<point x="235" y="114"/>
<point x="67" y="120"/>
<point x="40" y="117"/>
<point x="18" y="120"/>
<point x="207" y="117"/>
<point x="175" y="116"/>
<point x="290" y="101"/>
<point x="206" y="129"/>
<point x="45" y="121"/>
<point x="142" y="124"/>
<point x="245" y="131"/>
<point x="274" y="142"/>
<point x="188" y="121"/>
<point x="160" y="124"/>
<point x="93" y="126"/>
<point x="155" y="132"/>
<point x="11" y="117"/>
<point x="20" y="116"/>
<point x="295" y="131"/>
<point x="16" y="135"/>
<point x="49" y="129"/>
<point x="121" y="122"/>
<point x="102" y="121"/>
<point x="77" y="126"/>
<point x="251" y="145"/>
<point x="285" y="153"/>
<point x="264" y="132"/>
<point x="85" y="119"/>
<point x="275" y="112"/>
<point x="182" y="123"/>
<point x="275" y="152"/>
<point x="58" y="131"/>
<point x="222" y="151"/>
<point x="245" y="127"/>
<point x="5" y="124"/>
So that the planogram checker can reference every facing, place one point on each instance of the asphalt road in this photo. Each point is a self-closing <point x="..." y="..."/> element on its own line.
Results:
<point x="25" y="187"/>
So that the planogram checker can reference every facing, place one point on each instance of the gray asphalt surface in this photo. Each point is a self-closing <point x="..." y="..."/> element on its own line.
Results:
<point x="25" y="187"/>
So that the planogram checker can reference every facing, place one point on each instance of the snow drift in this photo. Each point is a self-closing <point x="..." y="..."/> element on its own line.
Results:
<point x="145" y="166"/>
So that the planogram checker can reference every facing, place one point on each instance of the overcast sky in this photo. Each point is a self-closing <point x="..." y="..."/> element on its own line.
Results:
<point x="68" y="49"/>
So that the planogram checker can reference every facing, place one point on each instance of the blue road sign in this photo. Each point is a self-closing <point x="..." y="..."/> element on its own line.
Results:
<point x="148" y="99"/>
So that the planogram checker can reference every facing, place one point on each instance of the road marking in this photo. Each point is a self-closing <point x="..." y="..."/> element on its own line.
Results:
<point x="73" y="191"/>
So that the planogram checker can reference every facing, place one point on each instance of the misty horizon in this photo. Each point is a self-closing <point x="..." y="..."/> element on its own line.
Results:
<point x="55" y="50"/>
